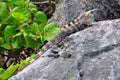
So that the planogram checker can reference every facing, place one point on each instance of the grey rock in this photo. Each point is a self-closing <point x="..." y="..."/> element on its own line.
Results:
<point x="109" y="9"/>
<point x="118" y="1"/>
<point x="68" y="10"/>
<point x="115" y="71"/>
<point x="93" y="53"/>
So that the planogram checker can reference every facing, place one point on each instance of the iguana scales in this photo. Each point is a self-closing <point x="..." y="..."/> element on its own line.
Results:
<point x="81" y="22"/>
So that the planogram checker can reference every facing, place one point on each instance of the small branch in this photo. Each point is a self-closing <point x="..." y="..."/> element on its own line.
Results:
<point x="43" y="2"/>
<point x="4" y="55"/>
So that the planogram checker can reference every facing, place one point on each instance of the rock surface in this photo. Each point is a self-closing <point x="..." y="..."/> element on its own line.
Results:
<point x="91" y="54"/>
<point x="95" y="54"/>
<point x="68" y="10"/>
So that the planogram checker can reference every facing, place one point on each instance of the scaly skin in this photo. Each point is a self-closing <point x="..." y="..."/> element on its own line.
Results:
<point x="81" y="22"/>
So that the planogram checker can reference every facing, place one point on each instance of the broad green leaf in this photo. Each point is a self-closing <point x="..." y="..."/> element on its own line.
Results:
<point x="19" y="41"/>
<point x="32" y="7"/>
<point x="10" y="71"/>
<point x="21" y="14"/>
<point x="0" y="25"/>
<point x="1" y="72"/>
<point x="22" y="64"/>
<point x="11" y="20"/>
<point x="18" y="15"/>
<point x="30" y="38"/>
<point x="2" y="50"/>
<point x="15" y="44"/>
<point x="22" y="41"/>
<point x="30" y="33"/>
<point x="41" y="30"/>
<point x="50" y="31"/>
<point x="22" y="3"/>
<point x="3" y="9"/>
<point x="9" y="31"/>
<point x="40" y="17"/>
<point x="6" y="46"/>
<point x="11" y="3"/>
<point x="26" y="61"/>
<point x="17" y="35"/>
<point x="31" y="57"/>
<point x="34" y="44"/>
<point x="35" y="28"/>
<point x="41" y="27"/>
<point x="1" y="40"/>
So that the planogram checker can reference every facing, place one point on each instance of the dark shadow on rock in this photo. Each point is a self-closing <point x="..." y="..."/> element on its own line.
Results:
<point x="104" y="49"/>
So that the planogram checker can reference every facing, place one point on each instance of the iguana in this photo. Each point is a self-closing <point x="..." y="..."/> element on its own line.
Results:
<point x="81" y="22"/>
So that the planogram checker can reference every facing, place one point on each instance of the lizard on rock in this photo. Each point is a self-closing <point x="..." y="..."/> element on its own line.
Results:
<point x="81" y="22"/>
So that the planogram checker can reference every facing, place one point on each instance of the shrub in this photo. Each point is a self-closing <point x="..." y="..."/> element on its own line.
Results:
<point x="22" y="26"/>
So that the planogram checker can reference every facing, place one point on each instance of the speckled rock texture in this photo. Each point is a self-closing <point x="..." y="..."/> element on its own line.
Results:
<point x="90" y="54"/>
<point x="68" y="10"/>
<point x="95" y="54"/>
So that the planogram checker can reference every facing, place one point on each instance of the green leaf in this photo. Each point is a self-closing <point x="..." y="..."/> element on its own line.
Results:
<point x="11" y="3"/>
<point x="22" y="3"/>
<point x="18" y="15"/>
<point x="1" y="40"/>
<point x="11" y="20"/>
<point x="19" y="41"/>
<point x="32" y="7"/>
<point x="15" y="44"/>
<point x="30" y="38"/>
<point x="35" y="28"/>
<point x="3" y="9"/>
<point x="9" y="31"/>
<point x="17" y="35"/>
<point x="2" y="50"/>
<point x="50" y="31"/>
<point x="41" y="27"/>
<point x="31" y="57"/>
<point x="0" y="25"/>
<point x="21" y="14"/>
<point x="40" y="17"/>
<point x="41" y="30"/>
<point x="30" y="33"/>
<point x="6" y="46"/>
<point x="22" y="64"/>
<point x="34" y="44"/>
<point x="1" y="72"/>
<point x="10" y="71"/>
<point x="25" y="62"/>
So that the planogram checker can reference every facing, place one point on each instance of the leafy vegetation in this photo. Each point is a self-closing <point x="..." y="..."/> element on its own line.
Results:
<point x="21" y="26"/>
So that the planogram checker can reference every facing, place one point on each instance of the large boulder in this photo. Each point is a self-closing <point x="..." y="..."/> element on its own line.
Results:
<point x="91" y="54"/>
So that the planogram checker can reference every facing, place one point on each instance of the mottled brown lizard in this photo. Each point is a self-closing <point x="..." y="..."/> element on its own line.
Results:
<point x="81" y="22"/>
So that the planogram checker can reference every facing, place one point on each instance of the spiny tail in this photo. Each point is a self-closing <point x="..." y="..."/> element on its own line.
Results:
<point x="80" y="23"/>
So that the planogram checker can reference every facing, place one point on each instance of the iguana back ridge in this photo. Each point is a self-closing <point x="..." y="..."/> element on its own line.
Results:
<point x="81" y="22"/>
